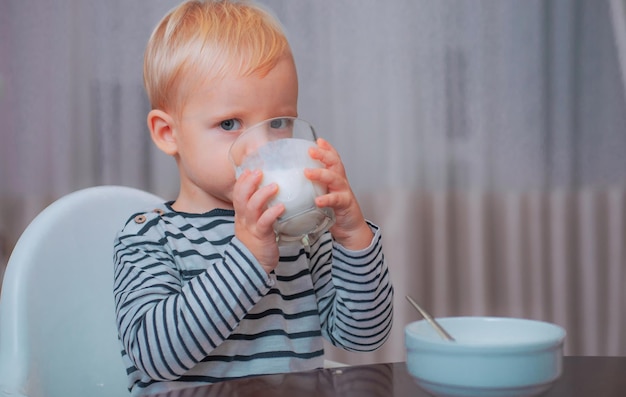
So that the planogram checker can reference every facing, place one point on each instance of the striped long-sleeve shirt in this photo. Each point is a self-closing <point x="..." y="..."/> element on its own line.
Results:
<point x="194" y="306"/>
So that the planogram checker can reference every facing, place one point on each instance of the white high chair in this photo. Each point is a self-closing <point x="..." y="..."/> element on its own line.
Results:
<point x="57" y="325"/>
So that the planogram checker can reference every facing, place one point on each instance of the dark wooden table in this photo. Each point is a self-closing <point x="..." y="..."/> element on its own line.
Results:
<point x="582" y="377"/>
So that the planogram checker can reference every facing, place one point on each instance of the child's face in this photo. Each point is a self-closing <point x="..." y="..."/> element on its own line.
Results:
<point x="212" y="119"/>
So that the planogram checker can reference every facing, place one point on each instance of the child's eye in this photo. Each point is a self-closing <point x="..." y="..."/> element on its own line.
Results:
<point x="230" y="125"/>
<point x="280" y="123"/>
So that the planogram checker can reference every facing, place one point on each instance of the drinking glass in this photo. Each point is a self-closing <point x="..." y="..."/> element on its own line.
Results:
<point x="279" y="148"/>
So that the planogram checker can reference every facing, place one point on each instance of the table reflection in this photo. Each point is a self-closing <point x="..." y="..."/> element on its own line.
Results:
<point x="358" y="381"/>
<point x="582" y="377"/>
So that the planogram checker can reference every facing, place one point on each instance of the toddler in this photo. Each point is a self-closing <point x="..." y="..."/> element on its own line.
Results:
<point x="203" y="291"/>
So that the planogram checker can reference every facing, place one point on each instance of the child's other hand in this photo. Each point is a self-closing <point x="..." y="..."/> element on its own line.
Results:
<point x="350" y="228"/>
<point x="253" y="220"/>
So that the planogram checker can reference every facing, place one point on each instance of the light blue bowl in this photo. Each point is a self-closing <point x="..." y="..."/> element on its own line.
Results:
<point x="491" y="357"/>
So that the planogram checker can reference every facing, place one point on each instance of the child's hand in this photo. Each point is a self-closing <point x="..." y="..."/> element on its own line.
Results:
<point x="350" y="228"/>
<point x="253" y="221"/>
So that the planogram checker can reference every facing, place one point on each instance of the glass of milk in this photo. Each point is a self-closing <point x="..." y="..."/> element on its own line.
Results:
<point x="279" y="147"/>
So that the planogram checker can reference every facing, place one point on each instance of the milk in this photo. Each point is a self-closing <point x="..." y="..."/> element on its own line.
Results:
<point x="295" y="191"/>
<point x="283" y="162"/>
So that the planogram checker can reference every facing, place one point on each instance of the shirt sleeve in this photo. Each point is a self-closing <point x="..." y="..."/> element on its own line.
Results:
<point x="354" y="293"/>
<point x="167" y="326"/>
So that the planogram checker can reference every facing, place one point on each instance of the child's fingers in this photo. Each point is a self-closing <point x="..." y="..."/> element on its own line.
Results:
<point x="247" y="184"/>
<point x="325" y="153"/>
<point x="324" y="144"/>
<point x="251" y="201"/>
<point x="326" y="177"/>
<point x="259" y="199"/>
<point x="269" y="216"/>
<point x="333" y="200"/>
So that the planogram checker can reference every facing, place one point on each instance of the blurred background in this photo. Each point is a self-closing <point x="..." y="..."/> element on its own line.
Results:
<point x="485" y="137"/>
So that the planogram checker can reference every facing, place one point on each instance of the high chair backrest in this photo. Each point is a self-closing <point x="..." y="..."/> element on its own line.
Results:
<point x="57" y="325"/>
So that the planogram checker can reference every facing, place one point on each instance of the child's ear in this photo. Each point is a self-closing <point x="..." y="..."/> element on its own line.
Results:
<point x="162" y="127"/>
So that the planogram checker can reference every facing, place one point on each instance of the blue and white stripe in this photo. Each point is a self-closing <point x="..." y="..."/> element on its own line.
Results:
<point x="193" y="305"/>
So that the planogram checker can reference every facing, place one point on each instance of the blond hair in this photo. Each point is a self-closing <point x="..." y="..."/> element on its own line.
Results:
<point x="200" y="40"/>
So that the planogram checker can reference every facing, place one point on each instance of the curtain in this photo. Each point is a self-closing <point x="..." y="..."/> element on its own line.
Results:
<point x="485" y="137"/>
